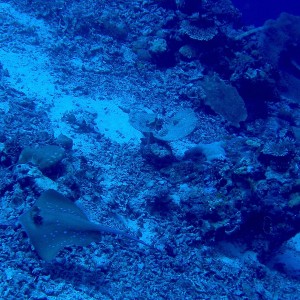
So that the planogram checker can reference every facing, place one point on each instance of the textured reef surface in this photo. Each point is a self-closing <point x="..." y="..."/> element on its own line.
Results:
<point x="149" y="149"/>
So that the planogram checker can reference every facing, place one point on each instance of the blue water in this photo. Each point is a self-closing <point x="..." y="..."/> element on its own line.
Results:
<point x="256" y="12"/>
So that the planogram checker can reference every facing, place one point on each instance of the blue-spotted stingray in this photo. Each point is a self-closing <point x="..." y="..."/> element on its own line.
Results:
<point x="55" y="222"/>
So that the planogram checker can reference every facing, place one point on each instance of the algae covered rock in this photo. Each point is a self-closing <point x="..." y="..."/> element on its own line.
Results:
<point x="224" y="100"/>
<point x="44" y="157"/>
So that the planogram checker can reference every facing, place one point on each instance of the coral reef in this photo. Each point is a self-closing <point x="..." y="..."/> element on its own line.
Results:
<point x="170" y="120"/>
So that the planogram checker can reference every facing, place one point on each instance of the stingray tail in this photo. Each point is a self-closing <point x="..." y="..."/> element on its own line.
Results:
<point x="108" y="229"/>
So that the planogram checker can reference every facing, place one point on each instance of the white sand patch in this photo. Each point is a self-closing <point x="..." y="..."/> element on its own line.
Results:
<point x="4" y="106"/>
<point x="111" y="121"/>
<point x="29" y="70"/>
<point x="114" y="123"/>
<point x="22" y="53"/>
<point x="9" y="13"/>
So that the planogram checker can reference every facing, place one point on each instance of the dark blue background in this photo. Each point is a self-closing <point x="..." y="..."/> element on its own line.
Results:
<point x="257" y="11"/>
